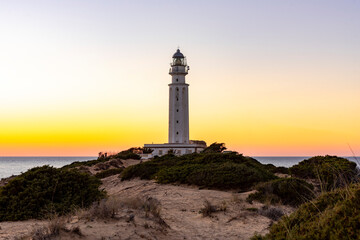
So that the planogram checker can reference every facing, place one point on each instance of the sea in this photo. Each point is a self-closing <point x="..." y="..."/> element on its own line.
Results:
<point x="16" y="165"/>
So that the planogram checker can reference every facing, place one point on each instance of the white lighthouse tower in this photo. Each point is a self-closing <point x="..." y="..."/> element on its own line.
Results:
<point x="178" y="100"/>
<point x="179" y="142"/>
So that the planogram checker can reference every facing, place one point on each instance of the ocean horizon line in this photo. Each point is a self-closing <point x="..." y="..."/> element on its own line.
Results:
<point x="48" y="156"/>
<point x="243" y="154"/>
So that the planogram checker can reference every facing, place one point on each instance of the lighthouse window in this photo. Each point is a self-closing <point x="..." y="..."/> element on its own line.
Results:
<point x="177" y="79"/>
<point x="177" y="110"/>
<point x="177" y="121"/>
<point x="177" y="99"/>
<point x="177" y="133"/>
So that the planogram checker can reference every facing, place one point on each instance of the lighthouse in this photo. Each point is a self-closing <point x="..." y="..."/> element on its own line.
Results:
<point x="178" y="100"/>
<point x="178" y="135"/>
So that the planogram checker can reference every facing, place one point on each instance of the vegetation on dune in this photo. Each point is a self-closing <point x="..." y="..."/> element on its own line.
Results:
<point x="272" y="168"/>
<point x="288" y="191"/>
<point x="331" y="171"/>
<point x="210" y="208"/>
<point x="46" y="189"/>
<point x="215" y="148"/>
<point x="108" y="172"/>
<point x="126" y="154"/>
<point x="215" y="170"/>
<point x="84" y="163"/>
<point x="333" y="215"/>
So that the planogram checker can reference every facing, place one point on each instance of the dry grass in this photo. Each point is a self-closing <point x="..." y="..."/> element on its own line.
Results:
<point x="209" y="208"/>
<point x="56" y="224"/>
<point x="111" y="208"/>
<point x="132" y="203"/>
<point x="150" y="206"/>
<point x="53" y="229"/>
<point x="41" y="233"/>
<point x="104" y="209"/>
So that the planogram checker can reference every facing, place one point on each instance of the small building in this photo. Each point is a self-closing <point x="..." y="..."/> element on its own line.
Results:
<point x="178" y="138"/>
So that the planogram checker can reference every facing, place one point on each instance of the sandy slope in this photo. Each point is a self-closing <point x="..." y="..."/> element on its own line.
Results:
<point x="180" y="206"/>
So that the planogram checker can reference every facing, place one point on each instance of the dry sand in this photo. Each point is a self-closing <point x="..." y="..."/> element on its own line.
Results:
<point x="180" y="216"/>
<point x="180" y="209"/>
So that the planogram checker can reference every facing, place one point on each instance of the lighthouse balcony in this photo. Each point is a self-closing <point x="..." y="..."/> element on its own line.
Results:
<point x="179" y="70"/>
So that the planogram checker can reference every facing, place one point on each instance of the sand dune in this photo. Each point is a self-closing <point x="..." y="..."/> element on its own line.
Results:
<point x="179" y="206"/>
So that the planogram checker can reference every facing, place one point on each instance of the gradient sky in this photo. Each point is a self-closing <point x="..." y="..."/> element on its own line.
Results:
<point x="268" y="78"/>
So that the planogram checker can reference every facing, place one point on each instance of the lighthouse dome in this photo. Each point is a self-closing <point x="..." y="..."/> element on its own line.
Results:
<point x="178" y="54"/>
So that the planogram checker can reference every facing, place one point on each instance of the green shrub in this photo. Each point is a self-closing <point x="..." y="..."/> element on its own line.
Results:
<point x="208" y="209"/>
<point x="42" y="189"/>
<point x="272" y="213"/>
<point x="215" y="148"/>
<point x="334" y="215"/>
<point x="109" y="172"/>
<point x="331" y="171"/>
<point x="272" y="168"/>
<point x="214" y="170"/>
<point x="84" y="163"/>
<point x="288" y="191"/>
<point x="126" y="154"/>
<point x="147" y="170"/>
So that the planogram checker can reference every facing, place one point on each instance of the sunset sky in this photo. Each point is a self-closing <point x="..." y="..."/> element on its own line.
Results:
<point x="268" y="78"/>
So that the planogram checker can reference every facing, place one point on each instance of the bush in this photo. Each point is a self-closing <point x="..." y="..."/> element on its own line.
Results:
<point x="147" y="170"/>
<point x="215" y="148"/>
<point x="272" y="168"/>
<point x="109" y="172"/>
<point x="127" y="154"/>
<point x="333" y="215"/>
<point x="290" y="191"/>
<point x="272" y="213"/>
<point x="47" y="189"/>
<point x="84" y="163"/>
<point x="283" y="170"/>
<point x="331" y="171"/>
<point x="215" y="170"/>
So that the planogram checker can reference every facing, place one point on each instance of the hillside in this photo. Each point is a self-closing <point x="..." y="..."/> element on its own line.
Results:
<point x="179" y="206"/>
<point x="166" y="205"/>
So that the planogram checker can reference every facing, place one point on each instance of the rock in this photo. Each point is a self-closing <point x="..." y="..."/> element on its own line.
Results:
<point x="74" y="219"/>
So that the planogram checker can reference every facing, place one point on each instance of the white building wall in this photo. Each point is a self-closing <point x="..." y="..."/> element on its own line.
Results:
<point x="160" y="151"/>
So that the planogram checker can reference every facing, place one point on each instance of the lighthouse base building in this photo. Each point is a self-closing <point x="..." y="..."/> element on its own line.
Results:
<point x="176" y="148"/>
<point x="179" y="142"/>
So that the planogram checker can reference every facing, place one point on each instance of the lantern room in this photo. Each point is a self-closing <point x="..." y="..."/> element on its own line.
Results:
<point x="178" y="59"/>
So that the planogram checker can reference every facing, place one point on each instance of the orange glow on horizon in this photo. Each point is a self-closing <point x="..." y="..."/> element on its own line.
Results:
<point x="271" y="79"/>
